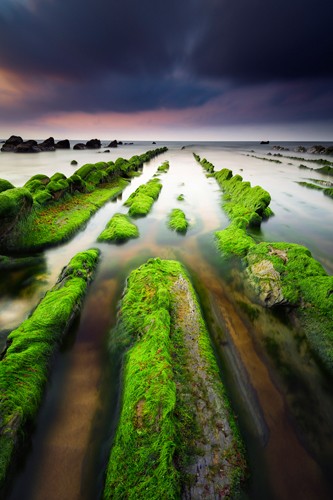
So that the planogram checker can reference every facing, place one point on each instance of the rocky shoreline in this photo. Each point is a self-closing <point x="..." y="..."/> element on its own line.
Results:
<point x="15" y="144"/>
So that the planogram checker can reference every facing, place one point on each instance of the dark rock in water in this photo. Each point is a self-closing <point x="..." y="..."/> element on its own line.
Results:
<point x="264" y="142"/>
<point x="321" y="150"/>
<point x="317" y="149"/>
<point x="183" y="147"/>
<point x="106" y="151"/>
<point x="120" y="143"/>
<point x="93" y="144"/>
<point x="80" y="146"/>
<point x="47" y="145"/>
<point x="63" y="144"/>
<point x="113" y="144"/>
<point x="11" y="143"/>
<point x="280" y="148"/>
<point x="73" y="162"/>
<point x="300" y="149"/>
<point x="30" y="146"/>
<point x="153" y="142"/>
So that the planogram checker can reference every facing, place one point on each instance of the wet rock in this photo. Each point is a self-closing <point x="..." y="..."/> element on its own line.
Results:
<point x="73" y="162"/>
<point x="264" y="142"/>
<point x="64" y="144"/>
<point x="113" y="144"/>
<point x="11" y="143"/>
<point x="321" y="150"/>
<point x="93" y="144"/>
<point x="280" y="148"/>
<point x="47" y="145"/>
<point x="266" y="282"/>
<point x="300" y="149"/>
<point x="30" y="146"/>
<point x="80" y="146"/>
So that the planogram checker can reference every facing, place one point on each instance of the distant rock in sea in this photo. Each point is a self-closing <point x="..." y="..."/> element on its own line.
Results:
<point x="113" y="144"/>
<point x="64" y="144"/>
<point x="93" y="144"/>
<point x="80" y="146"/>
<point x="300" y="149"/>
<point x="15" y="144"/>
<point x="11" y="144"/>
<point x="280" y="148"/>
<point x="264" y="142"/>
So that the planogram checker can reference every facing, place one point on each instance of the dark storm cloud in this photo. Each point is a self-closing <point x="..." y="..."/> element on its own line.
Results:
<point x="82" y="39"/>
<point x="108" y="55"/>
<point x="266" y="40"/>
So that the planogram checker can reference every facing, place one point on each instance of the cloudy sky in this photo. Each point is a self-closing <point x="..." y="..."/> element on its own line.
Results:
<point x="167" y="69"/>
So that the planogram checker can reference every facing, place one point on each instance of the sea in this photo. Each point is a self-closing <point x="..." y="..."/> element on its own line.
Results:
<point x="280" y="395"/>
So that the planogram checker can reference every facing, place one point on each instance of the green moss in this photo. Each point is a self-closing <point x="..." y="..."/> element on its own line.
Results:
<point x="4" y="185"/>
<point x="60" y="185"/>
<point x="209" y="167"/>
<point x="39" y="177"/>
<point x="119" y="229"/>
<point x="141" y="201"/>
<point x="58" y="176"/>
<point x="305" y="284"/>
<point x="35" y="186"/>
<point x="154" y="442"/>
<point x="54" y="223"/>
<point x="328" y="192"/>
<point x="85" y="170"/>
<point x="164" y="167"/>
<point x="242" y="200"/>
<point x="43" y="197"/>
<point x="181" y="197"/>
<point x="234" y="240"/>
<point x="13" y="201"/>
<point x="24" y="366"/>
<point x="326" y="170"/>
<point x="177" y="221"/>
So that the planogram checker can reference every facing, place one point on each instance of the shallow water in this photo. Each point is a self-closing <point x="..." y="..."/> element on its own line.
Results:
<point x="283" y="401"/>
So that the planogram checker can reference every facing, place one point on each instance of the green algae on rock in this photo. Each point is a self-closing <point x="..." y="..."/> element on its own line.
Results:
<point x="58" y="222"/>
<point x="328" y="191"/>
<point x="61" y="206"/>
<point x="24" y="366"/>
<point x="143" y="198"/>
<point x="4" y="185"/>
<point x="119" y="229"/>
<point x="241" y="199"/>
<point x="163" y="168"/>
<point x="177" y="221"/>
<point x="15" y="204"/>
<point x="209" y="167"/>
<point x="176" y="435"/>
<point x="287" y="274"/>
<point x="246" y="206"/>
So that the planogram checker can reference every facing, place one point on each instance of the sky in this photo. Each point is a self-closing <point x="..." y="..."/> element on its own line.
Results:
<point x="167" y="69"/>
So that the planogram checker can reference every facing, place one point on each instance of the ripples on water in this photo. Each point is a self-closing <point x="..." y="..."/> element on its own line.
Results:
<point x="283" y="401"/>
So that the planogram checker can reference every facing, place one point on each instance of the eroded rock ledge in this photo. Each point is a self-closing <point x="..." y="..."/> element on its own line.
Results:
<point x="176" y="436"/>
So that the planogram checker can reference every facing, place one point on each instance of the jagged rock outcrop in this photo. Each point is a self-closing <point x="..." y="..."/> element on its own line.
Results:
<point x="113" y="144"/>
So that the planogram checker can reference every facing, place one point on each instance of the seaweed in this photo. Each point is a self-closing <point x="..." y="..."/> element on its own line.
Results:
<point x="24" y="366"/>
<point x="177" y="221"/>
<point x="119" y="229"/>
<point x="160" y="426"/>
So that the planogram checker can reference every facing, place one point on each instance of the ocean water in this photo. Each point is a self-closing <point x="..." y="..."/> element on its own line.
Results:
<point x="285" y="420"/>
